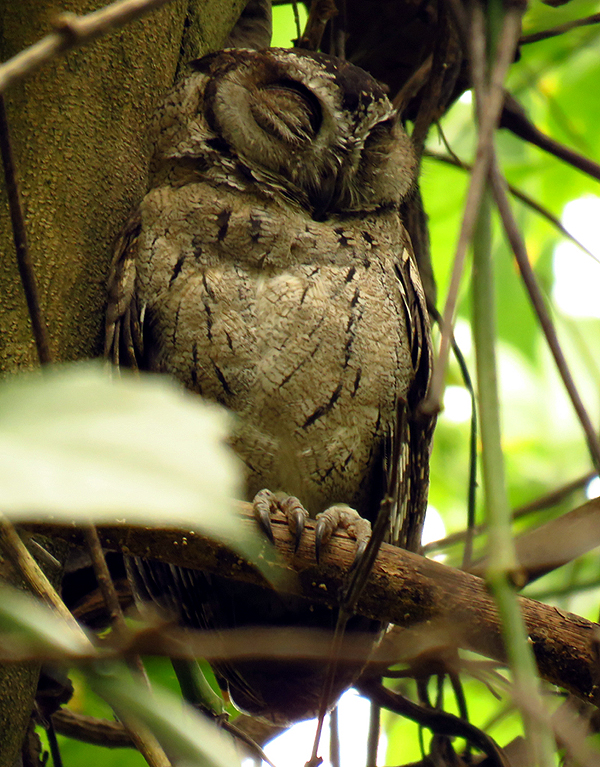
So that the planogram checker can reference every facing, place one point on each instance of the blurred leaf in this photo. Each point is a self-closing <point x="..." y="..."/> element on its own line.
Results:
<point x="28" y="626"/>
<point x="180" y="730"/>
<point x="556" y="542"/>
<point x="76" y="445"/>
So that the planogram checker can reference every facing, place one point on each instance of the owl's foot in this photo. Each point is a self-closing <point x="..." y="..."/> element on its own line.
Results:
<point x="349" y="519"/>
<point x="265" y="503"/>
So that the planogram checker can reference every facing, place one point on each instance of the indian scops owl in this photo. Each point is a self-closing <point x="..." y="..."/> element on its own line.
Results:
<point x="268" y="269"/>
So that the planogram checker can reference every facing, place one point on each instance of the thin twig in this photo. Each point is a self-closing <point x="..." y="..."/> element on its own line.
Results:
<point x="489" y="121"/>
<point x="296" y="19"/>
<point x="321" y="12"/>
<point x="54" y="747"/>
<point x="470" y="532"/>
<point x="535" y="37"/>
<point x="514" y="119"/>
<point x="413" y="85"/>
<point x="145" y="742"/>
<point x="24" y="263"/>
<point x="537" y="299"/>
<point x="110" y="596"/>
<point x="539" y="504"/>
<point x="430" y="153"/>
<point x="253" y="747"/>
<point x="70" y="32"/>
<point x="502" y="563"/>
<point x="16" y="551"/>
<point x="439" y="722"/>
<point x="99" y="732"/>
<point x="456" y="162"/>
<point x="104" y="578"/>
<point x="578" y="587"/>
<point x="459" y="15"/>
<point x="554" y="497"/>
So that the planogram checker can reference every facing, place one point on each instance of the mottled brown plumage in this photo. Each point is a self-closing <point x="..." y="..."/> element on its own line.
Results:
<point x="268" y="269"/>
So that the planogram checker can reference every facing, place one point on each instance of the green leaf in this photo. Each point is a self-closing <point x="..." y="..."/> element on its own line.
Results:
<point x="76" y="445"/>
<point x="178" y="728"/>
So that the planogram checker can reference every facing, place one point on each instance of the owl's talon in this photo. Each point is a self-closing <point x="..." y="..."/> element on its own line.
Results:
<point x="299" y="522"/>
<point x="263" y="505"/>
<point x="266" y="503"/>
<point x="264" y="520"/>
<point x="358" y="555"/>
<point x="296" y="515"/>
<point x="321" y="536"/>
<point x="342" y="516"/>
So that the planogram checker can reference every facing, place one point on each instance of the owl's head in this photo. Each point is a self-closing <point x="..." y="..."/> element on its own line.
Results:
<point x="310" y="127"/>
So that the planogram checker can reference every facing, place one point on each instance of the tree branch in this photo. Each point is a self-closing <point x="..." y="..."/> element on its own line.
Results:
<point x="404" y="589"/>
<point x="535" y="37"/>
<point x="514" y="119"/>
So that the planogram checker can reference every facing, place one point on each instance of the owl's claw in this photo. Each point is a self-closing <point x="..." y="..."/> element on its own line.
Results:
<point x="360" y="550"/>
<point x="296" y="515"/>
<point x="342" y="516"/>
<point x="266" y="503"/>
<point x="321" y="536"/>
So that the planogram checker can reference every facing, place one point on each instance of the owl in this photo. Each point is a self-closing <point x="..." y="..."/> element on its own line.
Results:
<point x="268" y="269"/>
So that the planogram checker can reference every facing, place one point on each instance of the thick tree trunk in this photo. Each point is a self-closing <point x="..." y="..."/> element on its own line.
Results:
<point x="78" y="132"/>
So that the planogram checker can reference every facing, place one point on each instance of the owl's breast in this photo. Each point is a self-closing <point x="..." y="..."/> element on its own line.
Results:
<point x="297" y="326"/>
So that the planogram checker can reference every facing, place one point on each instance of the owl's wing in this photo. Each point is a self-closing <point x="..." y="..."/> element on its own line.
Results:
<point x="413" y="430"/>
<point x="123" y="343"/>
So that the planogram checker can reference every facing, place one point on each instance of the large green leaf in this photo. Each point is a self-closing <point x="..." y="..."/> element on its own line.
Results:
<point x="76" y="445"/>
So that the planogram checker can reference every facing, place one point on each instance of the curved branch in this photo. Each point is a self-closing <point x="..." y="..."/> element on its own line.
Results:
<point x="439" y="722"/>
<point x="535" y="37"/>
<point x="454" y="607"/>
<point x="514" y="119"/>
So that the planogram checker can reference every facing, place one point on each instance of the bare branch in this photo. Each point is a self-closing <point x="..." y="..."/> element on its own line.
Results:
<point x="537" y="299"/>
<point x="404" y="588"/>
<point x="439" y="722"/>
<point x="490" y="115"/>
<point x="560" y="29"/>
<point x="99" y="732"/>
<point x="110" y="596"/>
<point x="515" y="120"/>
<point x="524" y="198"/>
<point x="545" y="501"/>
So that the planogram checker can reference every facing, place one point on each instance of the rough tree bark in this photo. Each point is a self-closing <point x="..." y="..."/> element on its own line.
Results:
<point x="78" y="131"/>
